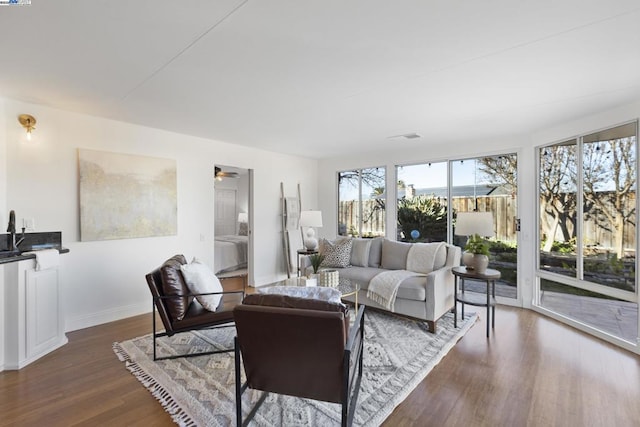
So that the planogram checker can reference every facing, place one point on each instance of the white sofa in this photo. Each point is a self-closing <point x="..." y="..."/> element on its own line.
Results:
<point x="427" y="297"/>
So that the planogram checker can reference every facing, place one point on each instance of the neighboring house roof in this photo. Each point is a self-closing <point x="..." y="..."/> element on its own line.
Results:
<point x="460" y="191"/>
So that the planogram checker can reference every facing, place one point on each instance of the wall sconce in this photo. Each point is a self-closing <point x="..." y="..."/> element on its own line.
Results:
<point x="28" y="122"/>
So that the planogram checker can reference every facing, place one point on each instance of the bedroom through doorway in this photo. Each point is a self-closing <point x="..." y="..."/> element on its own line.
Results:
<point x="232" y="252"/>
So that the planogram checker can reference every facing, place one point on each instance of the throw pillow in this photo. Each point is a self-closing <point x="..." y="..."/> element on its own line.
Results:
<point x="337" y="254"/>
<point x="375" y="252"/>
<point x="173" y="284"/>
<point x="360" y="252"/>
<point x="394" y="254"/>
<point x="201" y="280"/>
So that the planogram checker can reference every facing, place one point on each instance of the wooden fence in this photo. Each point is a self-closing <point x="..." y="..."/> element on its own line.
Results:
<point x="503" y="207"/>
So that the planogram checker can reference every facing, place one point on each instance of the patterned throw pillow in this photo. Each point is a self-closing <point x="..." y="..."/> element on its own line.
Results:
<point x="337" y="254"/>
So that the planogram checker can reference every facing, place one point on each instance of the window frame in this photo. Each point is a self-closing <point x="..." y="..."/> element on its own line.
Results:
<point x="360" y="207"/>
<point x="579" y="281"/>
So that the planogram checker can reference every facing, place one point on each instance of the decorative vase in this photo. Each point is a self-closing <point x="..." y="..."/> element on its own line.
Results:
<point x="467" y="259"/>
<point x="329" y="278"/>
<point x="476" y="262"/>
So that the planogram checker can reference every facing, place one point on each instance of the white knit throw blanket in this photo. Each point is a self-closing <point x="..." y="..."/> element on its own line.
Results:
<point x="383" y="288"/>
<point x="422" y="256"/>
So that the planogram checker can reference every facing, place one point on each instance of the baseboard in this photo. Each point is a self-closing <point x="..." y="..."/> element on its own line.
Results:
<point x="14" y="366"/>
<point x="106" y="316"/>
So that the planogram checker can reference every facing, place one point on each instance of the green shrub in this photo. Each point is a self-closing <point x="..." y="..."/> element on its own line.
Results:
<point x="425" y="214"/>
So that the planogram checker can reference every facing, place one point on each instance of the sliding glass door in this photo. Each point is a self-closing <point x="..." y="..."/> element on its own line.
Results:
<point x="430" y="195"/>
<point x="587" y="230"/>
<point x="489" y="184"/>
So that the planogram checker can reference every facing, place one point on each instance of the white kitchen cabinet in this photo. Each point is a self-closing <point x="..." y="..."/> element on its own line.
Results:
<point x="34" y="319"/>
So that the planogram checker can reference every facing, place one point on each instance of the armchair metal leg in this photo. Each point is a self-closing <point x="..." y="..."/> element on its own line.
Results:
<point x="236" y="348"/>
<point x="153" y="317"/>
<point x="240" y="388"/>
<point x="157" y="335"/>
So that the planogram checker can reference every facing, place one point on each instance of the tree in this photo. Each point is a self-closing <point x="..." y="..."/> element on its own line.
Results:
<point x="369" y="185"/>
<point x="500" y="169"/>
<point x="558" y="186"/>
<point x="609" y="182"/>
<point x="371" y="177"/>
<point x="609" y="185"/>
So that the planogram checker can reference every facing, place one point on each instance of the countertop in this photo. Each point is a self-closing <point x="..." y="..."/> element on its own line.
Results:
<point x="25" y="256"/>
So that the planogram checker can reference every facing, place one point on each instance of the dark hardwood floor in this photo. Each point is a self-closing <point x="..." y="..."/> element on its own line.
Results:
<point x="533" y="371"/>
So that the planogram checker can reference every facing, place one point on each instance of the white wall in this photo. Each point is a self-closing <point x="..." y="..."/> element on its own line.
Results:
<point x="105" y="280"/>
<point x="3" y="215"/>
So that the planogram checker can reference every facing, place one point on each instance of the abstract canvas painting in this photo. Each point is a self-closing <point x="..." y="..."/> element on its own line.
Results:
<point x="125" y="196"/>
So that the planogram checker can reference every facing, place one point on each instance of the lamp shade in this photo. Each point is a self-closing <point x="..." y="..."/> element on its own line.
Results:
<point x="469" y="223"/>
<point x="311" y="219"/>
<point x="243" y="217"/>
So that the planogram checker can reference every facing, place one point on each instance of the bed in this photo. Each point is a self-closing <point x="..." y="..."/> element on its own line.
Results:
<point x="230" y="253"/>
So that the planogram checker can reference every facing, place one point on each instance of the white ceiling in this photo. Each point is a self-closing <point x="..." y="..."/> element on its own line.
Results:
<point x="322" y="78"/>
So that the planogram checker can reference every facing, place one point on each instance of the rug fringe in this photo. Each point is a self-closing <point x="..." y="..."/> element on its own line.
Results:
<point x="160" y="393"/>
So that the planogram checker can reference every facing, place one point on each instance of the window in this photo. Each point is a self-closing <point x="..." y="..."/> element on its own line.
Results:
<point x="587" y="231"/>
<point x="426" y="195"/>
<point x="558" y="200"/>
<point x="361" y="202"/>
<point x="422" y="203"/>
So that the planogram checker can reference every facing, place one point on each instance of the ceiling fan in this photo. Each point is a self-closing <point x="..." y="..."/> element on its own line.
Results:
<point x="219" y="174"/>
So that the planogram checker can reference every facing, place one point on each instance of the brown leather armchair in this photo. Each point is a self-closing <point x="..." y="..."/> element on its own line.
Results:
<point x="299" y="347"/>
<point x="178" y="309"/>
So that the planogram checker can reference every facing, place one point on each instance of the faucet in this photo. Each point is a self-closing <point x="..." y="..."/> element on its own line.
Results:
<point x="11" y="228"/>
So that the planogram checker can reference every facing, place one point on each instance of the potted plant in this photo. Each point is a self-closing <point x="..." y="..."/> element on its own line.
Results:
<point x="476" y="256"/>
<point x="316" y="260"/>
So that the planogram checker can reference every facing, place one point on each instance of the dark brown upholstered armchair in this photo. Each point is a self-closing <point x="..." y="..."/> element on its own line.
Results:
<point x="298" y="347"/>
<point x="180" y="311"/>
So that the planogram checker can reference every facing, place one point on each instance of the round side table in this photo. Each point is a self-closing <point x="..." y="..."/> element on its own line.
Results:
<point x="489" y="276"/>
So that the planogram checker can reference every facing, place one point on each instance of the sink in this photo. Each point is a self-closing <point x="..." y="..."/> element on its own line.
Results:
<point x="8" y="254"/>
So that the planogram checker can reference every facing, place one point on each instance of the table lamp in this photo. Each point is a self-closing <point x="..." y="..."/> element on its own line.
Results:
<point x="310" y="219"/>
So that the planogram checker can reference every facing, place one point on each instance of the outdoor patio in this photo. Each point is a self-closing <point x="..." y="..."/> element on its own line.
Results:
<point x="618" y="318"/>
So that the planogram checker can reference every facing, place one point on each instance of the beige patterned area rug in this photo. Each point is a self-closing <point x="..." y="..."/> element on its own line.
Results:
<point x="199" y="391"/>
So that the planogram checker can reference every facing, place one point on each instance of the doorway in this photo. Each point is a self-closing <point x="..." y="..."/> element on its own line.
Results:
<point x="232" y="222"/>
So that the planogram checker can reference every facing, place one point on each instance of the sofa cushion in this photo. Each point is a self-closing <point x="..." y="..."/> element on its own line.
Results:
<point x="360" y="252"/>
<point x="412" y="288"/>
<point x="336" y="253"/>
<point x="375" y="252"/>
<point x="173" y="284"/>
<point x="362" y="275"/>
<point x="394" y="254"/>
